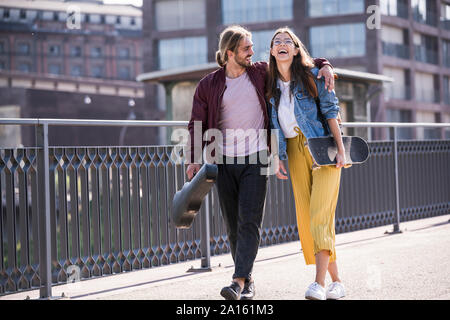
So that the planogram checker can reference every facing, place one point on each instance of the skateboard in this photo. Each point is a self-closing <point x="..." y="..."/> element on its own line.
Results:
<point x="323" y="150"/>
<point x="187" y="201"/>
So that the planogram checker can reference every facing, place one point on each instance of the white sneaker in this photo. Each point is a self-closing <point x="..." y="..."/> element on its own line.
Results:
<point x="315" y="292"/>
<point x="335" y="291"/>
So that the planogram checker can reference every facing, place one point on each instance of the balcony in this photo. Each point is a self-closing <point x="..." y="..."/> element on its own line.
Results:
<point x="445" y="24"/>
<point x="427" y="95"/>
<point x="398" y="91"/>
<point x="429" y="17"/>
<point x="398" y="9"/>
<point x="396" y="50"/>
<point x="425" y="55"/>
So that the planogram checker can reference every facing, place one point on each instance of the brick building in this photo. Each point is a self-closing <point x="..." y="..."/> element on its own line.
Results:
<point x="72" y="59"/>
<point x="412" y="46"/>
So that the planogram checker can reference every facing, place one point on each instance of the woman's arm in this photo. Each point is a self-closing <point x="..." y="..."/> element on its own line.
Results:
<point x="336" y="131"/>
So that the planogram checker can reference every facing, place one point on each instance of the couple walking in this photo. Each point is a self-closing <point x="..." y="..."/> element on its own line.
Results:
<point x="279" y="95"/>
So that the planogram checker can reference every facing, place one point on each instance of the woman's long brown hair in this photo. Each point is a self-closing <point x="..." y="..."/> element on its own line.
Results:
<point x="300" y="70"/>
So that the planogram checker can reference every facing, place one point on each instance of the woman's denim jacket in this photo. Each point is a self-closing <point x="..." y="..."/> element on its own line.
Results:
<point x="305" y="110"/>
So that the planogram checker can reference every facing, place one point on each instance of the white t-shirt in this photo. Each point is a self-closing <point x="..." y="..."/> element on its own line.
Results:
<point x="286" y="115"/>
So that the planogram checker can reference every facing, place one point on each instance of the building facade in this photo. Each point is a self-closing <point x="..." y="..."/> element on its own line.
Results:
<point x="411" y="45"/>
<point x="71" y="38"/>
<point x="72" y="59"/>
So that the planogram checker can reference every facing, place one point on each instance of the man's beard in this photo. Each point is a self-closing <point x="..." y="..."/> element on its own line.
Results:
<point x="243" y="63"/>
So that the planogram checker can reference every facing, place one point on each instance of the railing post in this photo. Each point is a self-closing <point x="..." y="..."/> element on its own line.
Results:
<point x="397" y="193"/>
<point x="205" y="238"/>
<point x="45" y="274"/>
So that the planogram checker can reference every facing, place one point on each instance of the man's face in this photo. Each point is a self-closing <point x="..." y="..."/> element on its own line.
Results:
<point x="245" y="53"/>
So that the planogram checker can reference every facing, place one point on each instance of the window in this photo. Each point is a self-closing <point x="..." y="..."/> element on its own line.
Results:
<point x="343" y="40"/>
<point x="179" y="52"/>
<point x="396" y="8"/>
<point x="97" y="71"/>
<point x="95" y="18"/>
<point x="2" y="47"/>
<point x="2" y="65"/>
<point x="400" y="88"/>
<point x="123" y="53"/>
<point x="252" y="11"/>
<point x="424" y="11"/>
<point x="180" y="14"/>
<point x="394" y="41"/>
<point x="75" y="52"/>
<point x="96" y="52"/>
<point x="24" y="67"/>
<point x="320" y="8"/>
<point x="54" y="69"/>
<point x="427" y="133"/>
<point x="425" y="84"/>
<point x="447" y="90"/>
<point x="23" y="14"/>
<point x="446" y="119"/>
<point x="6" y="13"/>
<point x="445" y="16"/>
<point x="76" y="71"/>
<point x="23" y="49"/>
<point x="425" y="48"/>
<point x="124" y="72"/>
<point x="54" y="50"/>
<point x="261" y="45"/>
<point x="446" y="53"/>
<point x="394" y="115"/>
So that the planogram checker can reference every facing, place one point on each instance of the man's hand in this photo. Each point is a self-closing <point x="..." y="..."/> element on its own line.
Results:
<point x="327" y="72"/>
<point x="281" y="172"/>
<point x="191" y="170"/>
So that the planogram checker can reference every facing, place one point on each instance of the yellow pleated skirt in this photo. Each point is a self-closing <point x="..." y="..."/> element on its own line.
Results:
<point x="316" y="194"/>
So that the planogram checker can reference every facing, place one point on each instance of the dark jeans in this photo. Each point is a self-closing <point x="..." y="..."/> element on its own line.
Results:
<point x="242" y="192"/>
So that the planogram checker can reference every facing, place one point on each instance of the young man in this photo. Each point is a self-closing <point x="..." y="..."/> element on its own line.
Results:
<point x="231" y="99"/>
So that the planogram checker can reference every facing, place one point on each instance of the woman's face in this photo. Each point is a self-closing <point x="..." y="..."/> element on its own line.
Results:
<point x="283" y="48"/>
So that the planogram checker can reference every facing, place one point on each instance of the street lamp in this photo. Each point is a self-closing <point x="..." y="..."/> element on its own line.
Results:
<point x="87" y="100"/>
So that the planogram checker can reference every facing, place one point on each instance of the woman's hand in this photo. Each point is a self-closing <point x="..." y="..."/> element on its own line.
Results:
<point x="340" y="159"/>
<point x="281" y="171"/>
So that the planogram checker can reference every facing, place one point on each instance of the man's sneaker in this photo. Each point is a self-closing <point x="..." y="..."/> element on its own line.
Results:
<point x="233" y="292"/>
<point x="315" y="292"/>
<point x="249" y="290"/>
<point x="335" y="291"/>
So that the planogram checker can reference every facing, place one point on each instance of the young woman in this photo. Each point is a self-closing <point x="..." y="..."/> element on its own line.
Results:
<point x="292" y="87"/>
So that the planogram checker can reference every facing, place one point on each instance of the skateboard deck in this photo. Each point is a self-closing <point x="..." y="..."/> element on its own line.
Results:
<point x="323" y="150"/>
<point x="187" y="201"/>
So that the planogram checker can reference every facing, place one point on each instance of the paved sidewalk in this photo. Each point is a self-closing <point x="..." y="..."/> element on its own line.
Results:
<point x="414" y="264"/>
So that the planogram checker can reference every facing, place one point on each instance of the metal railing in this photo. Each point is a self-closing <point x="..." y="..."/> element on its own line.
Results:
<point x="107" y="210"/>
<point x="398" y="50"/>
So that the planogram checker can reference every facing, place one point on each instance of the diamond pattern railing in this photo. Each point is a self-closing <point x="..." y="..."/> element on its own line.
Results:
<point x="110" y="207"/>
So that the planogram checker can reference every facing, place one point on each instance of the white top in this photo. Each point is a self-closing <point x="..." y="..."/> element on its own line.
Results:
<point x="286" y="115"/>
